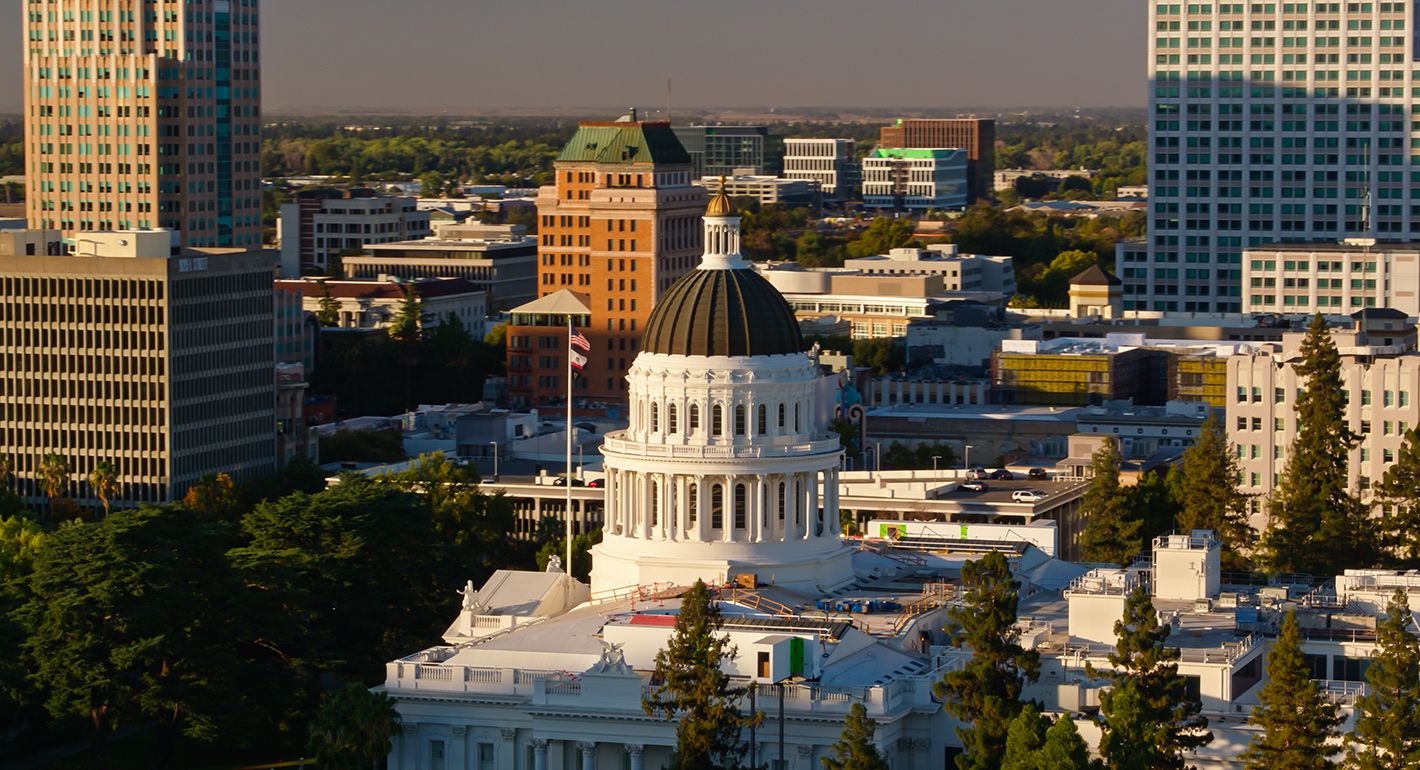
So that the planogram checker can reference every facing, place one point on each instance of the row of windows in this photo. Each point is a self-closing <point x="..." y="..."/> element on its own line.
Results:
<point x="718" y="425"/>
<point x="1279" y="396"/>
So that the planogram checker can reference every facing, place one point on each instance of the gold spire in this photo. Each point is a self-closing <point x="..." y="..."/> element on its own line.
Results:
<point x="720" y="205"/>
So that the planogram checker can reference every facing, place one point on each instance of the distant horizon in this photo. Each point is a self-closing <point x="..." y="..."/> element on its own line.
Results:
<point x="434" y="57"/>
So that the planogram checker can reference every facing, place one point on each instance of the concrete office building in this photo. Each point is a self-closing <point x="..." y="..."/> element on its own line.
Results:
<point x="720" y="150"/>
<point x="959" y="272"/>
<point x="766" y="189"/>
<point x="915" y="180"/>
<point x="1270" y="122"/>
<point x="618" y="226"/>
<point x="144" y="118"/>
<point x="975" y="136"/>
<point x="122" y="347"/>
<point x="497" y="259"/>
<point x="1332" y="278"/>
<point x="833" y="163"/>
<point x="374" y="304"/>
<point x="1380" y="373"/>
<point x="319" y="225"/>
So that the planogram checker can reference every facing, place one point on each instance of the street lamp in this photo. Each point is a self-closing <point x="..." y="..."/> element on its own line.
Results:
<point x="966" y="457"/>
<point x="878" y="455"/>
<point x="495" y="461"/>
<point x="935" y="459"/>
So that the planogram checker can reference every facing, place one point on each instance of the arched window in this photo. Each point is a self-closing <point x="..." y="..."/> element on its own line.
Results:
<point x="741" y="503"/>
<point x="717" y="420"/>
<point x="761" y="427"/>
<point x="783" y="498"/>
<point x="717" y="506"/>
<point x="655" y="418"/>
<point x="781" y="418"/>
<point x="655" y="503"/>
<point x="672" y="421"/>
<point x="739" y="419"/>
<point x="693" y="500"/>
<point x="694" y="418"/>
<point x="796" y="418"/>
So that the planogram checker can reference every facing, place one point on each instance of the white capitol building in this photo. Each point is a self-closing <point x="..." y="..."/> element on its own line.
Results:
<point x="727" y="473"/>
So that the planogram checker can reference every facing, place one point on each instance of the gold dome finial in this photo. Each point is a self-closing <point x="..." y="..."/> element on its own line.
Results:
<point x="720" y="205"/>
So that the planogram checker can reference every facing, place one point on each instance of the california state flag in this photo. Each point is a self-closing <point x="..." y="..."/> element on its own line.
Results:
<point x="578" y="360"/>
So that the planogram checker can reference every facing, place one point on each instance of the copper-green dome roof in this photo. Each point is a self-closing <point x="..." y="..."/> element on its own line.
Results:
<point x="732" y="312"/>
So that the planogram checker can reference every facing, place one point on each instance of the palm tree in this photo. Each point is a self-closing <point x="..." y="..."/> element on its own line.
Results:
<point x="354" y="727"/>
<point x="54" y="477"/>
<point x="104" y="483"/>
<point x="7" y="470"/>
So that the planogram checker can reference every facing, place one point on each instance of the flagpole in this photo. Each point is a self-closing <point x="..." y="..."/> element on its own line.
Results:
<point x="568" y="480"/>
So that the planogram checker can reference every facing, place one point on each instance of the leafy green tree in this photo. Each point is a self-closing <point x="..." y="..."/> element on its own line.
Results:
<point x="1024" y="740"/>
<point x="213" y="494"/>
<point x="475" y="523"/>
<point x="407" y="323"/>
<point x="882" y="235"/>
<point x="329" y="309"/>
<point x="20" y="541"/>
<point x="1387" y="735"/>
<point x="1313" y="503"/>
<point x="855" y="749"/>
<point x="54" y="479"/>
<point x="1399" y="491"/>
<point x="1296" y="718"/>
<point x="690" y="688"/>
<point x="358" y="569"/>
<point x="129" y="618"/>
<point x="984" y="695"/>
<point x="1111" y="531"/>
<point x="556" y="545"/>
<point x="354" y="729"/>
<point x="365" y="445"/>
<point x="1064" y="749"/>
<point x="1150" y="719"/>
<point x="1153" y="503"/>
<point x="1206" y="486"/>
<point x="103" y="481"/>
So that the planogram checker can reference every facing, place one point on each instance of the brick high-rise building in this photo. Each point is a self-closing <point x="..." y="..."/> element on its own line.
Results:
<point x="976" y="136"/>
<point x="618" y="226"/>
<point x="122" y="348"/>
<point x="144" y="114"/>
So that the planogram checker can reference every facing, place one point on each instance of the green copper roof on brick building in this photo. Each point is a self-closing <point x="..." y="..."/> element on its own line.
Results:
<point x="624" y="142"/>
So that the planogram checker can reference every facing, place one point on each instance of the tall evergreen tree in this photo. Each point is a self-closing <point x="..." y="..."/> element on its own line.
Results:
<point x="1064" y="749"/>
<point x="1150" y="717"/>
<point x="1295" y="717"/>
<point x="693" y="690"/>
<point x="985" y="694"/>
<point x="1387" y="735"/>
<point x="1313" y="503"/>
<point x="1111" y="530"/>
<point x="1399" y="490"/>
<point x="1208" y="496"/>
<point x="855" y="749"/>
<point x="328" y="313"/>
<point x="1024" y="740"/>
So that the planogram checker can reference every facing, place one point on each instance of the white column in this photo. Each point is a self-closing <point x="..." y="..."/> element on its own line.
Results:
<point x="759" y="508"/>
<point x="644" y="491"/>
<point x="589" y="754"/>
<point x="793" y="500"/>
<point x="702" y="513"/>
<point x="539" y="753"/>
<point x="728" y="520"/>
<point x="814" y="515"/>
<point x="833" y="525"/>
<point x="637" y="761"/>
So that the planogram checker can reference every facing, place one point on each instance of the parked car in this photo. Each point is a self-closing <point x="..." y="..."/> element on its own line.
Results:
<point x="1002" y="475"/>
<point x="561" y="481"/>
<point x="1028" y="495"/>
<point x="974" y="486"/>
<point x="596" y="483"/>
<point x="1037" y="474"/>
<point x="978" y="473"/>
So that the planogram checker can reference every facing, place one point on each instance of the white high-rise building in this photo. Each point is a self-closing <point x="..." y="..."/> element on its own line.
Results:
<point x="1270" y="122"/>
<point x="833" y="163"/>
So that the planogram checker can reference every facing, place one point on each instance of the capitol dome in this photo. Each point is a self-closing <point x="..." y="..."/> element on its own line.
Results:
<point x="723" y="312"/>
<point x="727" y="471"/>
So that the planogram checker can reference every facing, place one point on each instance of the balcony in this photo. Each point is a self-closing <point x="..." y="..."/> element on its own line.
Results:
<point x="617" y="445"/>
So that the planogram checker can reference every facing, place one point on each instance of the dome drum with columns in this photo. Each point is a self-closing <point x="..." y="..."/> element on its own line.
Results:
<point x="720" y="470"/>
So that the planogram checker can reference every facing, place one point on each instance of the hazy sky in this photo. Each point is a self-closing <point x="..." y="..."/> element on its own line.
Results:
<point x="464" y="55"/>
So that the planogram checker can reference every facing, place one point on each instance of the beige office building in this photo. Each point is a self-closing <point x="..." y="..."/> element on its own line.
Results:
<point x="119" y="347"/>
<point x="144" y="115"/>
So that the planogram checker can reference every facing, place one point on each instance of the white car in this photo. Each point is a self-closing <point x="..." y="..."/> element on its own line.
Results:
<point x="1027" y="496"/>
